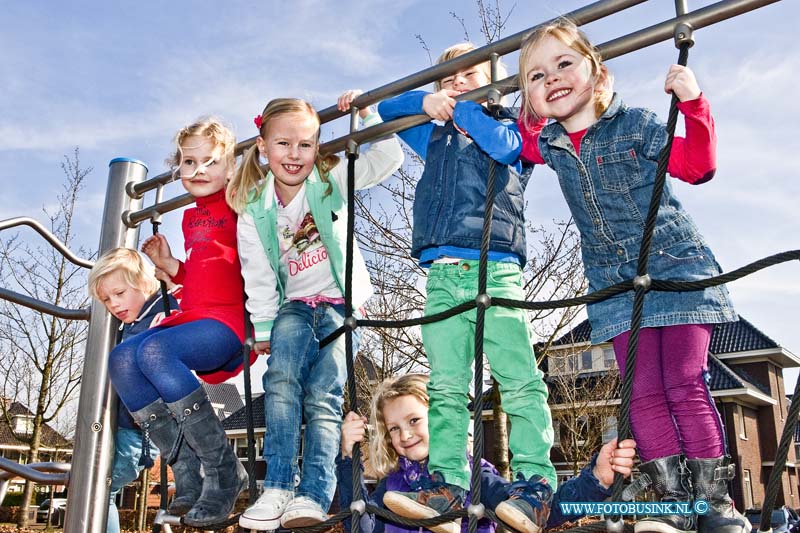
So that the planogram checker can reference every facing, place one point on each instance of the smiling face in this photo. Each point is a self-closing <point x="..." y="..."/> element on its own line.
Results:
<point x="202" y="169"/>
<point x="406" y="419"/>
<point x="121" y="300"/>
<point x="560" y="84"/>
<point x="290" y="146"/>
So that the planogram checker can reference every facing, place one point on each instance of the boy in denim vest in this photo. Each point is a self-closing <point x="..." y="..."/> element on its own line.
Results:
<point x="449" y="205"/>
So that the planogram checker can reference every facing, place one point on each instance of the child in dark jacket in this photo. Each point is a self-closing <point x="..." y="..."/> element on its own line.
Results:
<point x="399" y="455"/>
<point x="123" y="282"/>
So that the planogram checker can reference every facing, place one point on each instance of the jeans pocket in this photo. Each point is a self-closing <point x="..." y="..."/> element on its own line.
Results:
<point x="619" y="171"/>
<point x="683" y="261"/>
<point x="508" y="276"/>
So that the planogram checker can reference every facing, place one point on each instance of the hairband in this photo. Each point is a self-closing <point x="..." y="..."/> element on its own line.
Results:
<point x="258" y="121"/>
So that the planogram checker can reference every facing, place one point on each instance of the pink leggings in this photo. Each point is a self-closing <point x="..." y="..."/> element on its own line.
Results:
<point x="671" y="408"/>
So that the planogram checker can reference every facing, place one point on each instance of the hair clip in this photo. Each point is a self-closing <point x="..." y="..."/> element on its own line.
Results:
<point x="258" y="121"/>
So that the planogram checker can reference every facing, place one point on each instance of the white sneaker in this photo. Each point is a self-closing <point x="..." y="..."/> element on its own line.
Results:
<point x="302" y="512"/>
<point x="265" y="514"/>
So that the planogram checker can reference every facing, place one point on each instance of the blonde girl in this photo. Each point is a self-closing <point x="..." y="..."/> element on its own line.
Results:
<point x="153" y="372"/>
<point x="605" y="155"/>
<point x="292" y="237"/>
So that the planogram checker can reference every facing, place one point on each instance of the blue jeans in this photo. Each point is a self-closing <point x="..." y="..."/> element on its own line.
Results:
<point x="302" y="379"/>
<point x="127" y="451"/>
<point x="158" y="362"/>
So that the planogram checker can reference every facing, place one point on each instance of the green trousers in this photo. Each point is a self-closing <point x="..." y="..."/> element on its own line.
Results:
<point x="450" y="346"/>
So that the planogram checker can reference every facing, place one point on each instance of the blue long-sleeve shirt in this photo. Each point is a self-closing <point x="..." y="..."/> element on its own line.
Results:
<point x="501" y="141"/>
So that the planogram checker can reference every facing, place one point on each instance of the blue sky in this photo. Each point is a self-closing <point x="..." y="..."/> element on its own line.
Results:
<point x="117" y="79"/>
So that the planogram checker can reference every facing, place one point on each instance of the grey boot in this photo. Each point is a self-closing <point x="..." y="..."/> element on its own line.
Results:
<point x="224" y="476"/>
<point x="160" y="426"/>
<point x="669" y="478"/>
<point x="710" y="479"/>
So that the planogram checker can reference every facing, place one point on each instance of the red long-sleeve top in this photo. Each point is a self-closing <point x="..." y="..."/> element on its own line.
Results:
<point x="211" y="276"/>
<point x="692" y="159"/>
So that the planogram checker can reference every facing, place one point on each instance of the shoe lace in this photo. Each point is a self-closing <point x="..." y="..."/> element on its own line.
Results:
<point x="535" y="491"/>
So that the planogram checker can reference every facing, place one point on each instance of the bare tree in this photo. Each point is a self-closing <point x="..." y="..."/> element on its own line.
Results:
<point x="42" y="356"/>
<point x="582" y="403"/>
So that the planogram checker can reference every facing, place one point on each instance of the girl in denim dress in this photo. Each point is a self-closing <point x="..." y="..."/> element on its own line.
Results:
<point x="605" y="155"/>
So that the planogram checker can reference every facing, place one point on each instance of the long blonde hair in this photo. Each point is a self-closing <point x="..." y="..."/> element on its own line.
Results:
<point x="382" y="454"/>
<point x="135" y="271"/>
<point x="568" y="33"/>
<point x="249" y="177"/>
<point x="459" y="50"/>
<point x="210" y="128"/>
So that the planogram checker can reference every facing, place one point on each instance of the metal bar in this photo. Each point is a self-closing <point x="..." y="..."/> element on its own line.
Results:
<point x="581" y="16"/>
<point x="44" y="473"/>
<point x="94" y="444"/>
<point x="44" y="307"/>
<point x="33" y="472"/>
<point x="132" y="219"/>
<point x="49" y="237"/>
<point x="663" y="31"/>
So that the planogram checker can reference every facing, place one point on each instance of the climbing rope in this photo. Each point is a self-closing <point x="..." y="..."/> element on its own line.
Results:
<point x="163" y="487"/>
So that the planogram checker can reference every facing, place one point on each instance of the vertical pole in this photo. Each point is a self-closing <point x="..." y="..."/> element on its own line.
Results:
<point x="94" y="444"/>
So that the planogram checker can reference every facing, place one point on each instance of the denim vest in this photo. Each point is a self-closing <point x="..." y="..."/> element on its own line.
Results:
<point x="450" y="196"/>
<point x="608" y="189"/>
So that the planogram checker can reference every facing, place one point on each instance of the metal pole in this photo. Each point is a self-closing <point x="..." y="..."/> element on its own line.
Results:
<point x="94" y="444"/>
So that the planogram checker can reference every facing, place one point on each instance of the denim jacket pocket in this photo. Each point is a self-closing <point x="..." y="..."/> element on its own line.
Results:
<point x="619" y="171"/>
<point x="686" y="260"/>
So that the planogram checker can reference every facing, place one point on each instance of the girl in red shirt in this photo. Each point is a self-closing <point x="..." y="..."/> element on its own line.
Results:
<point x="152" y="371"/>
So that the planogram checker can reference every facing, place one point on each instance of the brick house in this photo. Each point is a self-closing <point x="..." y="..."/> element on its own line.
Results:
<point x="746" y="382"/>
<point x="54" y="446"/>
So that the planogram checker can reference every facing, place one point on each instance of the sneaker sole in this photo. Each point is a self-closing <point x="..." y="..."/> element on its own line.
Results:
<point x="516" y="518"/>
<point x="299" y="521"/>
<point x="411" y="509"/>
<point x="259" y="524"/>
<point x="651" y="526"/>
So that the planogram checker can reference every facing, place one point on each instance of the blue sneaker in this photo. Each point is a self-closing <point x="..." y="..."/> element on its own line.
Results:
<point x="433" y="499"/>
<point x="528" y="505"/>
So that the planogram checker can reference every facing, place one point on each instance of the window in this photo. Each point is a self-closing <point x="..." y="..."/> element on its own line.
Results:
<point x="556" y="433"/>
<point x="609" y="428"/>
<point x="582" y="429"/>
<point x="241" y="448"/>
<point x="747" y="487"/>
<point x="23" y="424"/>
<point x="586" y="360"/>
<point x="742" y="422"/>
<point x="609" y="361"/>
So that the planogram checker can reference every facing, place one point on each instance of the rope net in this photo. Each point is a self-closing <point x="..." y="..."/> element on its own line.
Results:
<point x="641" y="285"/>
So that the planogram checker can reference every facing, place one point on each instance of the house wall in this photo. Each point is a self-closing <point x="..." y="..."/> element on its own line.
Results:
<point x="745" y="448"/>
<point x="766" y="423"/>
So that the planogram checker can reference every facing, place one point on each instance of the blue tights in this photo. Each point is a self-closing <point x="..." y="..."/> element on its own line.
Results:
<point x="157" y="363"/>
